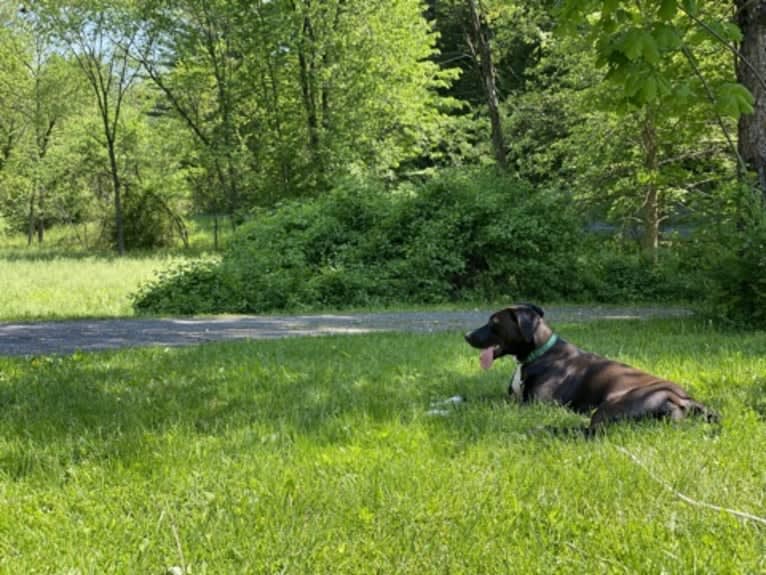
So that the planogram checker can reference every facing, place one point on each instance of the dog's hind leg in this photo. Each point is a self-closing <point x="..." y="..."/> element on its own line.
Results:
<point x="696" y="408"/>
<point x="658" y="401"/>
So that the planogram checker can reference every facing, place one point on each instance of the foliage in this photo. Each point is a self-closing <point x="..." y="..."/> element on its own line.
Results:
<point x="39" y="97"/>
<point x="281" y="103"/>
<point x="642" y="44"/>
<point x="455" y="236"/>
<point x="630" y="117"/>
<point x="317" y="455"/>
<point x="732" y="254"/>
<point x="610" y="273"/>
<point x="630" y="159"/>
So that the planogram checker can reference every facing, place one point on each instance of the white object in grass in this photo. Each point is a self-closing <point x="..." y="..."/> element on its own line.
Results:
<point x="516" y="383"/>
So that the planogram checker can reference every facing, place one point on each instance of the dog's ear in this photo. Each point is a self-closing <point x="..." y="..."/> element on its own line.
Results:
<point x="527" y="318"/>
<point x="537" y="309"/>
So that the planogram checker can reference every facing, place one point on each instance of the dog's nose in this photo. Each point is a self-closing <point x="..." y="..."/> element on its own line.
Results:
<point x="467" y="336"/>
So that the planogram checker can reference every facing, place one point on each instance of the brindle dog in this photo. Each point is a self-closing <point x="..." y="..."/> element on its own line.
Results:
<point x="555" y="370"/>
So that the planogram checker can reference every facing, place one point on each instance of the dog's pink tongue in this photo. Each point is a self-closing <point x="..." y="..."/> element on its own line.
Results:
<point x="487" y="357"/>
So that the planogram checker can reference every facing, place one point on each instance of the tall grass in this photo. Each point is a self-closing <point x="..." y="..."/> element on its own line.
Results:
<point x="67" y="277"/>
<point x="87" y="237"/>
<point x="318" y="455"/>
<point x="46" y="285"/>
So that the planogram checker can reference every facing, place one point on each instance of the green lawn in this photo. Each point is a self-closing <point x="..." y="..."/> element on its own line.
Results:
<point x="45" y="285"/>
<point x="317" y="455"/>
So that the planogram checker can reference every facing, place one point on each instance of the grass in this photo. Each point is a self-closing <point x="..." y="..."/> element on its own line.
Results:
<point x="46" y="285"/>
<point x="87" y="237"/>
<point x="66" y="277"/>
<point x="317" y="455"/>
<point x="50" y="284"/>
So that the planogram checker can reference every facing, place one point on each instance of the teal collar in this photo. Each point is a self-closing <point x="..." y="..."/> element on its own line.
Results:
<point x="536" y="354"/>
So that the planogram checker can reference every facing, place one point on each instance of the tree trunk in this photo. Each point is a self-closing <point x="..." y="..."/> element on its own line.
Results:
<point x="651" y="210"/>
<point x="116" y="184"/>
<point x="307" y="64"/>
<point x="41" y="215"/>
<point x="751" y="18"/>
<point x="478" y="42"/>
<point x="32" y="219"/>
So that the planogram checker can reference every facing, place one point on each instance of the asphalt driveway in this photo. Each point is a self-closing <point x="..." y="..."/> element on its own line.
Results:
<point x="66" y="337"/>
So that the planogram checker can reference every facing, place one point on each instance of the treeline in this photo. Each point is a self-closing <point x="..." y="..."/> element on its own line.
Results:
<point x="138" y="113"/>
<point x="647" y="117"/>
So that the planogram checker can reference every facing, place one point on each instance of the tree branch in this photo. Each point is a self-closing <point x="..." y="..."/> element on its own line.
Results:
<point x="686" y="498"/>
<point x="728" y="46"/>
<point x="741" y="165"/>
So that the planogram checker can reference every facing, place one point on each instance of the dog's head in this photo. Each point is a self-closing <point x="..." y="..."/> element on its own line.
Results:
<point x="516" y="330"/>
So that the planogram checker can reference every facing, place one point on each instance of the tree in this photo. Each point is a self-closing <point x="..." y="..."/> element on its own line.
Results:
<point x="649" y="52"/>
<point x="297" y="94"/>
<point x="101" y="38"/>
<point x="477" y="38"/>
<point x="41" y="90"/>
<point x="751" y="73"/>
<point x="197" y="67"/>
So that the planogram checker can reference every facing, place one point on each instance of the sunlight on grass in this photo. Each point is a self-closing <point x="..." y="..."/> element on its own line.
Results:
<point x="50" y="287"/>
<point x="317" y="455"/>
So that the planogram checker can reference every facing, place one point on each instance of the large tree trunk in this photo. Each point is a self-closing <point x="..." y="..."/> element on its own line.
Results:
<point x="751" y="72"/>
<point x="478" y="41"/>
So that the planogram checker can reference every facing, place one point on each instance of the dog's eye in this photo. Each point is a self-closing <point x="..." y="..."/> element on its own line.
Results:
<point x="495" y="320"/>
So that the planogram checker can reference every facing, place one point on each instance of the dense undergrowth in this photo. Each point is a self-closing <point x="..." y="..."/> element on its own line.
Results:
<point x="459" y="236"/>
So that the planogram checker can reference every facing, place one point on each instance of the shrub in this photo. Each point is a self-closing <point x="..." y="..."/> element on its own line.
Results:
<point x="613" y="273"/>
<point x="189" y="288"/>
<point x="734" y="259"/>
<point x="148" y="221"/>
<point x="458" y="235"/>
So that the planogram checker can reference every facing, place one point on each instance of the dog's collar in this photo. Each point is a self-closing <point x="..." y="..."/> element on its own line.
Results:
<point x="538" y="353"/>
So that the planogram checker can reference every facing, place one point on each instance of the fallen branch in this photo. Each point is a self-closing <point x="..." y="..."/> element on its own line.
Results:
<point x="686" y="498"/>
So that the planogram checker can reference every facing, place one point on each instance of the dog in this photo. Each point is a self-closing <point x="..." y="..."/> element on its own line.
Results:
<point x="554" y="370"/>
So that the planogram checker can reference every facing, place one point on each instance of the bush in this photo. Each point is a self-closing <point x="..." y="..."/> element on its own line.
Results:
<point x="189" y="288"/>
<point x="734" y="259"/>
<point x="147" y="219"/>
<point x="460" y="235"/>
<point x="612" y="273"/>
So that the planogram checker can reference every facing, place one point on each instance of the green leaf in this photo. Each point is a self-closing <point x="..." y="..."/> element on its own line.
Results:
<point x="637" y="43"/>
<point x="690" y="6"/>
<point x="724" y="30"/>
<point x="668" y="9"/>
<point x="731" y="32"/>
<point x="648" y="92"/>
<point x="632" y="44"/>
<point x="650" y="49"/>
<point x="667" y="37"/>
<point x="633" y="85"/>
<point x="733" y="100"/>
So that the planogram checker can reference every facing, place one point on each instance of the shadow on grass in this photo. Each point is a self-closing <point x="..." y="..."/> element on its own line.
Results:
<point x="326" y="391"/>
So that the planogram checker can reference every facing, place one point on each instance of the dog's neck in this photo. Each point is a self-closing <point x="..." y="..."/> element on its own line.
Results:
<point x="542" y="334"/>
<point x="542" y="341"/>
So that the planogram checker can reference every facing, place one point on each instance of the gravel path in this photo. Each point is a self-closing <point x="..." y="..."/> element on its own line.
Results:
<point x="43" y="338"/>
